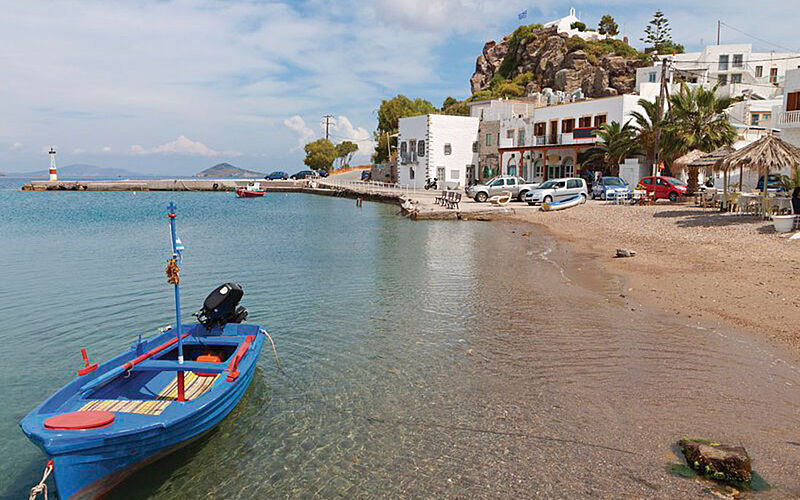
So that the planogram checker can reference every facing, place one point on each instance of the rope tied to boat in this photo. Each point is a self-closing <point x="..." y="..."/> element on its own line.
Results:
<point x="274" y="350"/>
<point x="172" y="272"/>
<point x="42" y="486"/>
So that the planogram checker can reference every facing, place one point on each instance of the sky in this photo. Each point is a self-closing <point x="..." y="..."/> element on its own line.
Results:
<point x="171" y="87"/>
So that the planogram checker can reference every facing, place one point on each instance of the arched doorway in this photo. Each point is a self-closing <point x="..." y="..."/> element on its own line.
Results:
<point x="568" y="168"/>
<point x="511" y="166"/>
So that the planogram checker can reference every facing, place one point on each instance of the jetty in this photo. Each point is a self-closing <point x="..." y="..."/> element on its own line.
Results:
<point x="416" y="203"/>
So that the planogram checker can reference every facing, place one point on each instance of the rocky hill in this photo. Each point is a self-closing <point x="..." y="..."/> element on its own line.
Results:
<point x="226" y="171"/>
<point x="537" y="58"/>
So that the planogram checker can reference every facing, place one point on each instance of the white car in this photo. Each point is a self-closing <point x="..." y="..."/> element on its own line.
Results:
<point x="558" y="189"/>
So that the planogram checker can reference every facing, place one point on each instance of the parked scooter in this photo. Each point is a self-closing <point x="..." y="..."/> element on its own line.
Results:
<point x="432" y="184"/>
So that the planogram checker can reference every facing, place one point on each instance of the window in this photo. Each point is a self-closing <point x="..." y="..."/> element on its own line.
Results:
<point x="474" y="146"/>
<point x="648" y="181"/>
<point x="723" y="62"/>
<point x="569" y="170"/>
<point x="793" y="101"/>
<point x="412" y="149"/>
<point x="773" y="75"/>
<point x="723" y="80"/>
<point x="448" y="149"/>
<point x="539" y="129"/>
<point x="403" y="148"/>
<point x="411" y="174"/>
<point x="440" y="173"/>
<point x="765" y="116"/>
<point x="651" y="77"/>
<point x="567" y="125"/>
<point x="754" y="119"/>
<point x="759" y="71"/>
<point x="538" y="169"/>
<point x="738" y="61"/>
<point x="497" y="183"/>
<point x="573" y="183"/>
<point x="736" y="78"/>
<point x="521" y="137"/>
<point x="488" y="139"/>
<point x="509" y="134"/>
<point x="511" y="182"/>
<point x="585" y="122"/>
<point x="661" y="182"/>
<point x="455" y="175"/>
<point x="421" y="147"/>
<point x="599" y="121"/>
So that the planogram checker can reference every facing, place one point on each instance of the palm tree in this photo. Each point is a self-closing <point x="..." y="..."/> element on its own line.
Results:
<point x="647" y="124"/>
<point x="617" y="142"/>
<point x="697" y="117"/>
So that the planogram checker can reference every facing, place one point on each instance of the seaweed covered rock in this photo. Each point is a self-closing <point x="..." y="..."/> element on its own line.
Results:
<point x="717" y="461"/>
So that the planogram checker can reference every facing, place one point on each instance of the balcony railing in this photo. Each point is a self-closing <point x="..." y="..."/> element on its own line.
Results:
<point x="791" y="118"/>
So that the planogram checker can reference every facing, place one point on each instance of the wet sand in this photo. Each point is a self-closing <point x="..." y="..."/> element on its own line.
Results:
<point x="697" y="264"/>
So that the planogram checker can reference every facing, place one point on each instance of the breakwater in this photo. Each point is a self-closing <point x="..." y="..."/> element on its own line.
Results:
<point x="163" y="185"/>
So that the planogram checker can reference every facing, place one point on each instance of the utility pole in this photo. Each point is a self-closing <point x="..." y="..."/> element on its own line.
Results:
<point x="718" y="27"/>
<point x="327" y="119"/>
<point x="661" y="98"/>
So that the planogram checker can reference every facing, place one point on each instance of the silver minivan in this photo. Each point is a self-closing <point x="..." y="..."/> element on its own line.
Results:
<point x="557" y="189"/>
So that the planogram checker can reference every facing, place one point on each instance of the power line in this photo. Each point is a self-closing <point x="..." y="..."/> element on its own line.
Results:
<point x="756" y="38"/>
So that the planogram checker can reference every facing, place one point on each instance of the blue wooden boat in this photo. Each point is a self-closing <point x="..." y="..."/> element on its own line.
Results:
<point x="162" y="394"/>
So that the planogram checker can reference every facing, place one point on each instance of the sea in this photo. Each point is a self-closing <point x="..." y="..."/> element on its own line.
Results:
<point x="430" y="359"/>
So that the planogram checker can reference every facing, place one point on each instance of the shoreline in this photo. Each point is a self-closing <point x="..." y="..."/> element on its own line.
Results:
<point x="700" y="274"/>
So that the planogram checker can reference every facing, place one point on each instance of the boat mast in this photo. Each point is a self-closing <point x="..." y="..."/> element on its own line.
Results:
<point x="174" y="279"/>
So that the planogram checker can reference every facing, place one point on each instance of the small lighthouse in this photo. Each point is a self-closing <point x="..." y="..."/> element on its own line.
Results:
<point x="53" y="171"/>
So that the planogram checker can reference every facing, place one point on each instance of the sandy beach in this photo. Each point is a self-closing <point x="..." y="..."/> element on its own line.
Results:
<point x="690" y="262"/>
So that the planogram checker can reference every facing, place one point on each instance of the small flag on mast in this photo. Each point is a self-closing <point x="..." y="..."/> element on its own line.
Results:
<point x="179" y="248"/>
<point x="523" y="14"/>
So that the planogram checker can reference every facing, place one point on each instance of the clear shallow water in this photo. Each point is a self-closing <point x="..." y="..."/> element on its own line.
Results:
<point x="420" y="359"/>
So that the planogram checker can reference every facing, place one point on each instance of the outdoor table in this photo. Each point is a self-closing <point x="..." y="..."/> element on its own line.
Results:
<point x="749" y="202"/>
<point x="781" y="203"/>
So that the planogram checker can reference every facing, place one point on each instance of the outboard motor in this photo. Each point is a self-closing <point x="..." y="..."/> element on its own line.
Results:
<point x="222" y="307"/>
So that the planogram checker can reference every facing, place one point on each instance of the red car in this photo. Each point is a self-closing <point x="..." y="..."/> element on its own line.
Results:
<point x="664" y="187"/>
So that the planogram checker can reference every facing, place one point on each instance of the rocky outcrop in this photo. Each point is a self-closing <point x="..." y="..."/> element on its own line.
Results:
<point x="558" y="62"/>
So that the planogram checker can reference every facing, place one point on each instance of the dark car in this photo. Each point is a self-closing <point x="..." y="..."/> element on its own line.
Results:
<point x="773" y="182"/>
<point x="365" y="175"/>
<point x="321" y="173"/>
<point x="304" y="174"/>
<point x="277" y="176"/>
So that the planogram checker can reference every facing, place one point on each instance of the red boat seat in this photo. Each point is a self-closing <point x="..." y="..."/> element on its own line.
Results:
<point x="80" y="420"/>
<point x="208" y="358"/>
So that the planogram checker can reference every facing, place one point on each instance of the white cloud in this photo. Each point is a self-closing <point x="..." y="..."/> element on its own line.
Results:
<point x="297" y="125"/>
<point x="16" y="146"/>
<point x="343" y="130"/>
<point x="106" y="149"/>
<point x="78" y="151"/>
<point x="182" y="146"/>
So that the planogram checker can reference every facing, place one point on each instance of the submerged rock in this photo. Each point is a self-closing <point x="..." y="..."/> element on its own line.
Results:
<point x="717" y="461"/>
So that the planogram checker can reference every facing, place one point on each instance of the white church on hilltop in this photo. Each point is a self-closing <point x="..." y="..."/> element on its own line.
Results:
<point x="565" y="26"/>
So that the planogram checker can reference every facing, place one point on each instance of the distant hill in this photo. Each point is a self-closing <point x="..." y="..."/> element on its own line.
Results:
<point x="226" y="170"/>
<point x="79" y="170"/>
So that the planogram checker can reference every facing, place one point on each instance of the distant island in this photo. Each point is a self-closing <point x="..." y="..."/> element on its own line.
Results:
<point x="80" y="170"/>
<point x="226" y="170"/>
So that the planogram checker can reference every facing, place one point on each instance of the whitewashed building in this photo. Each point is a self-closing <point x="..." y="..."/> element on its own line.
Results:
<point x="788" y="114"/>
<point x="738" y="70"/>
<point x="443" y="147"/>
<point x="565" y="23"/>
<point x="546" y="145"/>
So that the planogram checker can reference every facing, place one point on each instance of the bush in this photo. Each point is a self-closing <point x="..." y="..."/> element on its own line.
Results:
<point x="577" y="25"/>
<point x="520" y="36"/>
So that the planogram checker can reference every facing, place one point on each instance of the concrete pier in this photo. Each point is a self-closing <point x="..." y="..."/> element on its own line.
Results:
<point x="163" y="185"/>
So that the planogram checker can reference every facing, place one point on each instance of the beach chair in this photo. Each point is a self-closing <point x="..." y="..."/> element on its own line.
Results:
<point x="453" y="200"/>
<point x="440" y="199"/>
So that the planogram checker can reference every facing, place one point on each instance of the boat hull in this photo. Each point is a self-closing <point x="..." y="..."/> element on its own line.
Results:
<point x="88" y="463"/>
<point x="244" y="193"/>
<point x="562" y="204"/>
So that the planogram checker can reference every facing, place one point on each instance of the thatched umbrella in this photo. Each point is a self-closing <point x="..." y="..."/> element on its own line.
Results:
<point x="684" y="163"/>
<point x="765" y="154"/>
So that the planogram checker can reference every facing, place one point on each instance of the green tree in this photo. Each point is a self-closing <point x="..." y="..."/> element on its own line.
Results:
<point x="448" y="101"/>
<point x="657" y="32"/>
<point x="646" y="124"/>
<point x="608" y="26"/>
<point x="697" y="117"/>
<point x="459" y="108"/>
<point x="320" y="154"/>
<point x="389" y="115"/>
<point x="577" y="25"/>
<point x="617" y="142"/>
<point x="344" y="152"/>
<point x="670" y="47"/>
